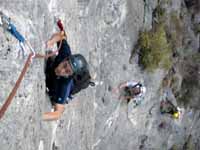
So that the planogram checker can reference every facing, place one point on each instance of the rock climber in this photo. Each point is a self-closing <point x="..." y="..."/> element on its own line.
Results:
<point x="59" y="74"/>
<point x="167" y="107"/>
<point x="168" y="100"/>
<point x="131" y="90"/>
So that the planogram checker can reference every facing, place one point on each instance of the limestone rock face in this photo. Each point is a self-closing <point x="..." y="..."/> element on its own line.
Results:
<point x="105" y="32"/>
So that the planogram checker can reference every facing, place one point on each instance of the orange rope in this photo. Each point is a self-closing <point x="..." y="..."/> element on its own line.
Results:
<point x="17" y="84"/>
<point x="14" y="90"/>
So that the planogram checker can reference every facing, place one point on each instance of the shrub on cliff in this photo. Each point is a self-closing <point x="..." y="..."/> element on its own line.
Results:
<point x="155" y="51"/>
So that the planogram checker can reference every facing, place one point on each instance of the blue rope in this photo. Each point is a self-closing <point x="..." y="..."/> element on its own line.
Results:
<point x="12" y="29"/>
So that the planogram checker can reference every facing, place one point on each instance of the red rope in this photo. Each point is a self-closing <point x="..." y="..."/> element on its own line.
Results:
<point x="23" y="72"/>
<point x="14" y="90"/>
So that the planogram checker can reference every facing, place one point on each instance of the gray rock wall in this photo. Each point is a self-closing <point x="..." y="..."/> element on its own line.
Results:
<point x="105" y="31"/>
<point x="21" y="127"/>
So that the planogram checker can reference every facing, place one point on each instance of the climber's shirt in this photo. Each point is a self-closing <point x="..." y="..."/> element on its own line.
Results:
<point x="131" y="84"/>
<point x="59" y="87"/>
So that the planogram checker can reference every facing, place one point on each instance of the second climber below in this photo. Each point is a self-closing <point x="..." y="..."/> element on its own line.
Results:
<point x="131" y="90"/>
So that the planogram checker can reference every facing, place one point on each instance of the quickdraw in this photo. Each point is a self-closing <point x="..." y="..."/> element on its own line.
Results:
<point x="5" y="22"/>
<point x="7" y="25"/>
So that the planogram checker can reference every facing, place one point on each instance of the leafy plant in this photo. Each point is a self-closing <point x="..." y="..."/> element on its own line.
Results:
<point x="155" y="50"/>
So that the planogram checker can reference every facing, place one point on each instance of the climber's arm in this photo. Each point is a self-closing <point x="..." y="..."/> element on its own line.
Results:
<point x="122" y="85"/>
<point x="56" y="37"/>
<point x="59" y="109"/>
<point x="116" y="90"/>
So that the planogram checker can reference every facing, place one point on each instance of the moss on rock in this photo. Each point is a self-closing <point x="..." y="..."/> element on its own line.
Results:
<point x="155" y="50"/>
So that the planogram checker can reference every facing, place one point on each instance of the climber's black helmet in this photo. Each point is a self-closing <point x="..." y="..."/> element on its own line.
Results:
<point x="78" y="63"/>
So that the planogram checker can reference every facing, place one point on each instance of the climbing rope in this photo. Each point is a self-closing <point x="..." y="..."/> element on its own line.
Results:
<point x="6" y="23"/>
<point x="21" y="76"/>
<point x="14" y="90"/>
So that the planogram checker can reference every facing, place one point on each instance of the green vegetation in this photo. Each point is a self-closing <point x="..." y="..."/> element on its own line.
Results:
<point x="195" y="58"/>
<point x="197" y="28"/>
<point x="159" y="14"/>
<point x="155" y="50"/>
<point x="174" y="147"/>
<point x="189" y="145"/>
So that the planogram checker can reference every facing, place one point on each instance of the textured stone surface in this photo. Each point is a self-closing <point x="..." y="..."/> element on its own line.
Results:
<point x="105" y="31"/>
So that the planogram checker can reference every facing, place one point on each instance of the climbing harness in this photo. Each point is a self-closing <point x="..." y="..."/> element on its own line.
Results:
<point x="5" y="22"/>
